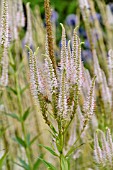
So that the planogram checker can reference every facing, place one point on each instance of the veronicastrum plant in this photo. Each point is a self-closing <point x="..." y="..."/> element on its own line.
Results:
<point x="14" y="92"/>
<point x="58" y="92"/>
<point x="3" y="68"/>
<point x="103" y="149"/>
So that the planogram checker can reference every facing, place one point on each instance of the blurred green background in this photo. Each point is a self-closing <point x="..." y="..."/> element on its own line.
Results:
<point x="64" y="7"/>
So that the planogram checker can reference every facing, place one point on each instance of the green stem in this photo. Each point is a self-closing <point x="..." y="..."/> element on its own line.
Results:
<point x="27" y="149"/>
<point x="60" y="161"/>
<point x="61" y="142"/>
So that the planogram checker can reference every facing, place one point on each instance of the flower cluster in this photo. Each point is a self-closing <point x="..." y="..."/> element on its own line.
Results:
<point x="88" y="108"/>
<point x="105" y="87"/>
<point x="104" y="153"/>
<point x="16" y="18"/>
<point x="61" y="88"/>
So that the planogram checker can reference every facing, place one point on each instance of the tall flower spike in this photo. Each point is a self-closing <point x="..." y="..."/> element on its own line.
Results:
<point x="4" y="44"/>
<point x="69" y="65"/>
<point x="62" y="99"/>
<point x="75" y="46"/>
<point x="52" y="81"/>
<point x="89" y="105"/>
<point x="49" y="33"/>
<point x="4" y="24"/>
<point x="63" y="48"/>
<point x="76" y="57"/>
<point x="109" y="140"/>
<point x="97" y="150"/>
<point x="37" y="85"/>
<point x="79" y="66"/>
<point x="105" y="148"/>
<point x="76" y="66"/>
<point x="32" y="76"/>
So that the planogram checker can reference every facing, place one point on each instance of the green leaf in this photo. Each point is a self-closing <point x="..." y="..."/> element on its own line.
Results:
<point x="23" y="89"/>
<point x="20" y="141"/>
<point x="20" y="165"/>
<point x="2" y="131"/>
<point x="33" y="140"/>
<point x="2" y="159"/>
<point x="64" y="163"/>
<point x="13" y="115"/>
<point x="21" y="66"/>
<point x="49" y="149"/>
<point x="11" y="58"/>
<point x="54" y="131"/>
<point x="26" y="114"/>
<point x="24" y="164"/>
<point x="48" y="165"/>
<point x="37" y="163"/>
<point x="28" y="139"/>
<point x="12" y="90"/>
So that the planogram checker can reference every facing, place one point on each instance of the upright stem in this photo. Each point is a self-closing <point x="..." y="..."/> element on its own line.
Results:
<point x="61" y="142"/>
<point x="27" y="150"/>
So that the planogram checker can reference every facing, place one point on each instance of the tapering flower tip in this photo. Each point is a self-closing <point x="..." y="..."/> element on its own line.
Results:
<point x="109" y="140"/>
<point x="69" y="63"/>
<point x="4" y="24"/>
<point x="97" y="150"/>
<point x="63" y="48"/>
<point x="69" y="42"/>
<point x="62" y="99"/>
<point x="35" y="75"/>
<point x="69" y="50"/>
<point x="110" y="52"/>
<point x="69" y="53"/>
<point x="32" y="75"/>
<point x="89" y="105"/>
